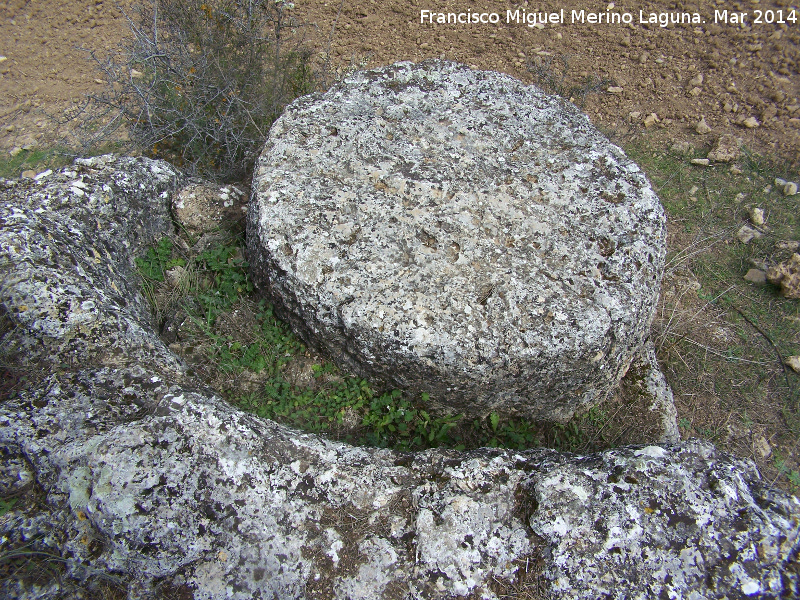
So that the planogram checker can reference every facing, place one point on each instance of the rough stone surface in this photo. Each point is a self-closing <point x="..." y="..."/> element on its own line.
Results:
<point x="755" y="276"/>
<point x="747" y="234"/>
<point x="457" y="233"/>
<point x="152" y="482"/>
<point x="787" y="275"/>
<point x="727" y="148"/>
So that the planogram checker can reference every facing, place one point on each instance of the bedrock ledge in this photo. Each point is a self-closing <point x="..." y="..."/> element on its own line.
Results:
<point x="150" y="481"/>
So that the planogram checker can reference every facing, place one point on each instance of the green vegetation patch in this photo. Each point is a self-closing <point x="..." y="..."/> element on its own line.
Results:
<point x="722" y="340"/>
<point x="240" y="347"/>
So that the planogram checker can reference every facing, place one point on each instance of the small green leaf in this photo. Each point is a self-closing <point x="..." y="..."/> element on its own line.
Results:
<point x="494" y="418"/>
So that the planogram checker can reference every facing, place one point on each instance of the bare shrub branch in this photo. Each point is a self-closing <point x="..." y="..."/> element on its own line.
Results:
<point x="200" y="82"/>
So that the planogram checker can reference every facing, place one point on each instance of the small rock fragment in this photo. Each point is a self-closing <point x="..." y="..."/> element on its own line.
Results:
<point x="702" y="127"/>
<point x="202" y="208"/>
<point x="751" y="122"/>
<point x="769" y="113"/>
<point x="780" y="182"/>
<point x="683" y="147"/>
<point x="650" y="120"/>
<point x="762" y="447"/>
<point x="14" y="151"/>
<point x="790" y="189"/>
<point x="790" y="245"/>
<point x="746" y="234"/>
<point x="756" y="276"/>
<point x="728" y="148"/>
<point x="28" y="174"/>
<point x="787" y="275"/>
<point x="176" y="276"/>
<point x="703" y="162"/>
<point x="136" y="74"/>
<point x="697" y="80"/>
<point x="793" y="362"/>
<point x="634" y="115"/>
<point x="757" y="216"/>
<point x="614" y="90"/>
<point x="694" y="92"/>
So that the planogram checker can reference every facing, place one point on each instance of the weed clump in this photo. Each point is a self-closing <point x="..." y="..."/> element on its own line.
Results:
<point x="200" y="82"/>
<point x="552" y="74"/>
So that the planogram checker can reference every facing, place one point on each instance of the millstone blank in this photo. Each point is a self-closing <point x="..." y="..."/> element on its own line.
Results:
<point x="458" y="233"/>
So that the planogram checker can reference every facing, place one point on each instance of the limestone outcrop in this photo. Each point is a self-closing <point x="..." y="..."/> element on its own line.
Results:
<point x="457" y="233"/>
<point x="139" y="476"/>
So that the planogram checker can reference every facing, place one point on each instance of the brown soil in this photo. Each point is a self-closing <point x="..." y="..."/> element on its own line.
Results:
<point x="751" y="69"/>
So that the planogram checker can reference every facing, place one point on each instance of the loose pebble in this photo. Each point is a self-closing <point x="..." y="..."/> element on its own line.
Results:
<point x="794" y="363"/>
<point x="650" y="120"/>
<point x="697" y="80"/>
<point x="762" y="446"/>
<point x="747" y="234"/>
<point x="756" y="276"/>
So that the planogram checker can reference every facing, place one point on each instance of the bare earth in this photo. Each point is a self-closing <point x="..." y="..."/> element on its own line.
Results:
<point x="748" y="70"/>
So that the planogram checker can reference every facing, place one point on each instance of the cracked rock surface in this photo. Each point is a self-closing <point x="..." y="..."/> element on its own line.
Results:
<point x="153" y="482"/>
<point x="457" y="233"/>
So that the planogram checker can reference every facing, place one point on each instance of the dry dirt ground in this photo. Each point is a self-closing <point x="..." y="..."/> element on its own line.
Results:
<point x="748" y="69"/>
<point x="726" y="73"/>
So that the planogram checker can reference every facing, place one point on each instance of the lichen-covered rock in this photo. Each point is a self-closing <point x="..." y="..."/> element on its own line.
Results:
<point x="457" y="233"/>
<point x="149" y="481"/>
<point x="787" y="275"/>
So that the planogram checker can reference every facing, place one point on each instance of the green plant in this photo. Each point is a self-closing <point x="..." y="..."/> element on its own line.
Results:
<point x="37" y="160"/>
<point x="230" y="280"/>
<point x="792" y="475"/>
<point x="6" y="505"/>
<point x="394" y="421"/>
<point x="273" y="347"/>
<point x="201" y="81"/>
<point x="157" y="260"/>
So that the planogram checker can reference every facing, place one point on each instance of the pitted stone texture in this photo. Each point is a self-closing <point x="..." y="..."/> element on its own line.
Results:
<point x="67" y="266"/>
<point x="150" y="481"/>
<point x="457" y="233"/>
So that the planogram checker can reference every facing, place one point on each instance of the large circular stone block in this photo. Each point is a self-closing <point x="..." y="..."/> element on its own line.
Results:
<point x="458" y="233"/>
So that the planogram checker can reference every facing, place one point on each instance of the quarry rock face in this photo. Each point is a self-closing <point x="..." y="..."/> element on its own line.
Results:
<point x="132" y="474"/>
<point x="457" y="233"/>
